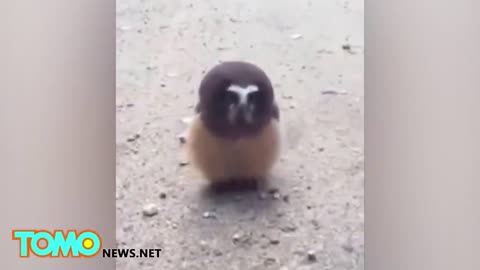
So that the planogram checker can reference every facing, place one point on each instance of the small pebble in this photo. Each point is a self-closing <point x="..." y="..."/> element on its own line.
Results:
<point x="182" y="138"/>
<point x="289" y="228"/>
<point x="217" y="253"/>
<point x="134" y="138"/>
<point x="208" y="215"/>
<point x="311" y="256"/>
<point x="163" y="195"/>
<point x="276" y="195"/>
<point x="356" y="150"/>
<point x="269" y="261"/>
<point x="240" y="237"/>
<point x="236" y="237"/>
<point x="347" y="248"/>
<point x="183" y="163"/>
<point x="324" y="51"/>
<point x="329" y="92"/>
<point x="150" y="210"/>
<point x="274" y="241"/>
<point x="286" y="198"/>
<point x="346" y="47"/>
<point x="295" y="36"/>
<point x="128" y="228"/>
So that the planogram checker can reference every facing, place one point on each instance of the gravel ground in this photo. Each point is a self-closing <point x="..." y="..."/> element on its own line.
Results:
<point x="310" y="215"/>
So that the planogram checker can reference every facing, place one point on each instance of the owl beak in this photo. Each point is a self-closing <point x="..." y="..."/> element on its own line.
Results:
<point x="238" y="115"/>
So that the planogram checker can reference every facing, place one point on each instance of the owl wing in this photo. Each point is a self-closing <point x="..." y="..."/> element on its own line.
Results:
<point x="198" y="108"/>
<point x="275" y="112"/>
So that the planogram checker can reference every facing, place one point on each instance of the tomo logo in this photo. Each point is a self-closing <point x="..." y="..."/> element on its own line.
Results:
<point x="42" y="243"/>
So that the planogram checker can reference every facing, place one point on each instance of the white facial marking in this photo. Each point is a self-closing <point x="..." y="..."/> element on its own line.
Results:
<point x="243" y="92"/>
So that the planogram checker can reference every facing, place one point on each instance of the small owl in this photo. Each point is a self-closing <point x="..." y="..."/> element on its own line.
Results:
<point x="235" y="136"/>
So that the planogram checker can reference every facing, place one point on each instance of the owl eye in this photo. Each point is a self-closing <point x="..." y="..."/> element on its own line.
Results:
<point x="256" y="97"/>
<point x="230" y="97"/>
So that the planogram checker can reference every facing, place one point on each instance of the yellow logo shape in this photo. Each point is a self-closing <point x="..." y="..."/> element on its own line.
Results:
<point x="87" y="243"/>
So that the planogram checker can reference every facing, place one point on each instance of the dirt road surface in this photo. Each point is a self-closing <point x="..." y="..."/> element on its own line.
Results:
<point x="310" y="216"/>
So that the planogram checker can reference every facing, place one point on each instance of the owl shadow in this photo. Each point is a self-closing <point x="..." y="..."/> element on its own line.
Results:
<point x="238" y="197"/>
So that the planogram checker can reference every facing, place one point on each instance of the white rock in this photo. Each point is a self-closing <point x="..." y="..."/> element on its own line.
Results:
<point x="150" y="210"/>
<point x="295" y="36"/>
